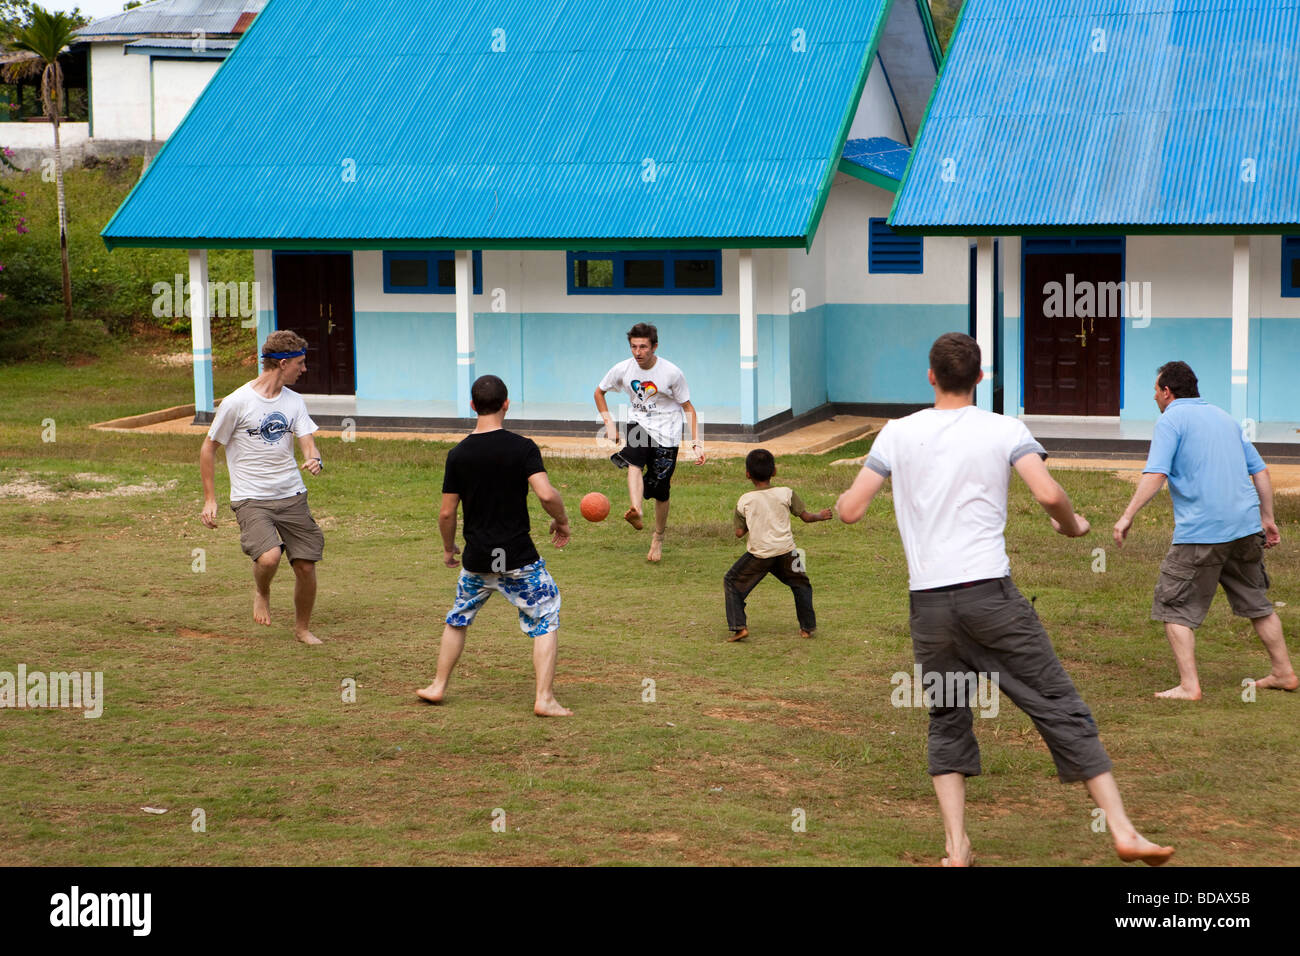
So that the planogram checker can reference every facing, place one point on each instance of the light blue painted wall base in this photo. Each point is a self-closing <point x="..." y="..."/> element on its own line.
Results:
<point x="265" y="326"/>
<point x="465" y="377"/>
<point x="1238" y="408"/>
<point x="1204" y="344"/>
<point x="203" y="399"/>
<point x="549" y="358"/>
<point x="874" y="354"/>
<point x="748" y="390"/>
<point x="880" y="353"/>
<point x="807" y="337"/>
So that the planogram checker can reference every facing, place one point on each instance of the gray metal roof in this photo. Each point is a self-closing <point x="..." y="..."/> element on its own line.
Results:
<point x="179" y="43"/>
<point x="173" y="16"/>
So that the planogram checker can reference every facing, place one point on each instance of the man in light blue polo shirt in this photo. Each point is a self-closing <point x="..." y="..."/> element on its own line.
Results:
<point x="1223" y="521"/>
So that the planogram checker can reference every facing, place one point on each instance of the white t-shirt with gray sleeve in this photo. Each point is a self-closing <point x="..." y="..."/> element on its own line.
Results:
<point x="258" y="434"/>
<point x="950" y="470"/>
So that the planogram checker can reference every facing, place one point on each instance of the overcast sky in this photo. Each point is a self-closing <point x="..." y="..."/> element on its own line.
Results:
<point x="95" y="9"/>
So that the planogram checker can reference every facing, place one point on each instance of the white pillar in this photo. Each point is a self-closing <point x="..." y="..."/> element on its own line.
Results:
<point x="264" y="286"/>
<point x="747" y="308"/>
<point x="201" y="334"/>
<point x="984" y="319"/>
<point x="464" y="332"/>
<point x="1240" y="324"/>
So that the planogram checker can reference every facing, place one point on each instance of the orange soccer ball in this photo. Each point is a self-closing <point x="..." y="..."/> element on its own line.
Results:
<point x="595" y="506"/>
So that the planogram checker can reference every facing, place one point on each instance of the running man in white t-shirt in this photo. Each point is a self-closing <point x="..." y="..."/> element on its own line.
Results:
<point x="951" y="466"/>
<point x="659" y="397"/>
<point x="257" y="423"/>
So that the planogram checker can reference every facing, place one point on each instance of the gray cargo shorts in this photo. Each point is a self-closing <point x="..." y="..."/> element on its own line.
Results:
<point x="989" y="628"/>
<point x="1191" y="573"/>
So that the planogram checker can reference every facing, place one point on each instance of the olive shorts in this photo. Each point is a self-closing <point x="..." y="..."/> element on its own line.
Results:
<point x="1191" y="573"/>
<point x="280" y="523"/>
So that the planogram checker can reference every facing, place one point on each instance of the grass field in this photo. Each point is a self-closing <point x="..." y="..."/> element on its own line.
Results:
<point x="203" y="709"/>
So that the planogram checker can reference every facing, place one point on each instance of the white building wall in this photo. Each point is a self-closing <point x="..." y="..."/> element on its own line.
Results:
<point x="1190" y="276"/>
<point x="877" y="113"/>
<point x="946" y="259"/>
<point x="41" y="136"/>
<point x="176" y="85"/>
<point x="119" y="89"/>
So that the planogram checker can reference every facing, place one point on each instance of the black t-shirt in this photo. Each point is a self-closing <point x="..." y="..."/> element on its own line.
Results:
<point x="490" y="472"/>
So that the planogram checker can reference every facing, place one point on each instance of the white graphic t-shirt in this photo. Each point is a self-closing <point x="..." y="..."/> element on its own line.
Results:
<point x="258" y="434"/>
<point x="657" y="394"/>
<point x="950" y="469"/>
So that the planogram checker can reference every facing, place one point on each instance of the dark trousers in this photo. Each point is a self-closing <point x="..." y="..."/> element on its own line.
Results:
<point x="749" y="570"/>
<point x="990" y="628"/>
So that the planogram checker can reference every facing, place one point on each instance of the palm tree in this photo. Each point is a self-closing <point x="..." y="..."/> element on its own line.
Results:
<point x="48" y="35"/>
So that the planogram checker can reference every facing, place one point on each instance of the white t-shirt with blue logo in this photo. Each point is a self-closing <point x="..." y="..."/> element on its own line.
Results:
<point x="657" y="395"/>
<point x="258" y="434"/>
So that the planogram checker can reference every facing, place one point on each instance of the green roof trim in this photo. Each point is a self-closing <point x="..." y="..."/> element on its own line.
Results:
<point x="927" y="20"/>
<point x="321" y="245"/>
<point x="869" y="176"/>
<point x="1099" y="229"/>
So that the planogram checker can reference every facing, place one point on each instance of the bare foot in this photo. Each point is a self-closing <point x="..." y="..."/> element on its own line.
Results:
<point x="1274" y="682"/>
<point x="432" y="694"/>
<point x="307" y="637"/>
<point x="739" y="635"/>
<point x="803" y="633"/>
<point x="633" y="517"/>
<point x="1142" y="849"/>
<point x="550" y="708"/>
<point x="1181" y="693"/>
<point x="261" y="607"/>
<point x="961" y="857"/>
<point x="656" y="552"/>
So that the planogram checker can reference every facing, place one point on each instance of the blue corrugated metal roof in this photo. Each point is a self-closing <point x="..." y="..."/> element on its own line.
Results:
<point x="880" y="154"/>
<point x="601" y="119"/>
<point x="1189" y="117"/>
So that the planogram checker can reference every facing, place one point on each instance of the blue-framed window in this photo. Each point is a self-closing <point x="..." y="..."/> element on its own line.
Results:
<point x="890" y="253"/>
<point x="679" y="272"/>
<point x="1291" y="267"/>
<point x="426" y="272"/>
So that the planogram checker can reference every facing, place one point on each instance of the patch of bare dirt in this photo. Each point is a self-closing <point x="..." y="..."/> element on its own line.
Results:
<point x="32" y="487"/>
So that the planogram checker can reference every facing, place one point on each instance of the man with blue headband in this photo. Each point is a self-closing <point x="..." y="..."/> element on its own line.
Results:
<point x="257" y="423"/>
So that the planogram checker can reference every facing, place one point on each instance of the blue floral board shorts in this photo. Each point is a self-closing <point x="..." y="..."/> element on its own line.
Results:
<point x="531" y="589"/>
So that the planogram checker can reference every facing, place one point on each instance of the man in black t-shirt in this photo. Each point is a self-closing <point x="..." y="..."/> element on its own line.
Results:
<point x="491" y="471"/>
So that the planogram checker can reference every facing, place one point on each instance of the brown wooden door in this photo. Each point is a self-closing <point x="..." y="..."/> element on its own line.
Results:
<point x="1073" y="321"/>
<point x="313" y="297"/>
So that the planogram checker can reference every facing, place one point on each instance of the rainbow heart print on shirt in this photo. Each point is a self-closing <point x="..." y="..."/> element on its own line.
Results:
<point x="644" y="390"/>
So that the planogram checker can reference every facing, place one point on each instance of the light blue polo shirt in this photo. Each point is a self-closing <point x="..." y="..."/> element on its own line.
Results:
<point x="1202" y="450"/>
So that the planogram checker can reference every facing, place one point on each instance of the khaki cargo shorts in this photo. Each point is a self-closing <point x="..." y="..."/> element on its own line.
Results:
<point x="1191" y="573"/>
<point x="282" y="522"/>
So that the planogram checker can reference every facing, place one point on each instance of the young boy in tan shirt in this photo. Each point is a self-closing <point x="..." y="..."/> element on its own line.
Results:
<point x="764" y="514"/>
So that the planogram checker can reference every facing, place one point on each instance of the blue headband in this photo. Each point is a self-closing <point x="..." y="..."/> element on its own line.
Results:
<point x="284" y="355"/>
